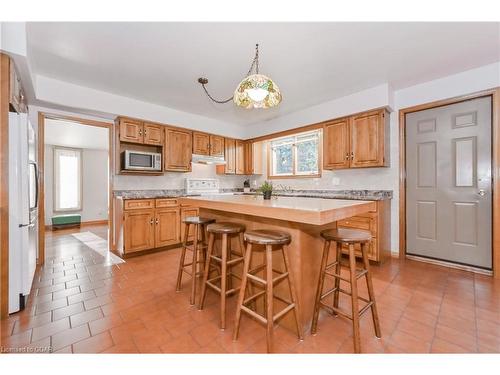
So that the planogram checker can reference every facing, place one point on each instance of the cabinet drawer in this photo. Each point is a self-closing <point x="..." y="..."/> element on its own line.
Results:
<point x="368" y="223"/>
<point x="372" y="250"/>
<point x="139" y="204"/>
<point x="166" y="202"/>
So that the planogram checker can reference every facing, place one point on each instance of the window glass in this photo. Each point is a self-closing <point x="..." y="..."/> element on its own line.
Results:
<point x="67" y="179"/>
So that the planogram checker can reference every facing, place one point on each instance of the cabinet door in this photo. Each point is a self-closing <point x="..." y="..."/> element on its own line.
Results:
<point x="336" y="152"/>
<point x="230" y="156"/>
<point x="131" y="131"/>
<point x="240" y="156"/>
<point x="167" y="224"/>
<point x="185" y="212"/>
<point x="177" y="150"/>
<point x="139" y="230"/>
<point x="216" y="145"/>
<point x="367" y="140"/>
<point x="201" y="143"/>
<point x="153" y="134"/>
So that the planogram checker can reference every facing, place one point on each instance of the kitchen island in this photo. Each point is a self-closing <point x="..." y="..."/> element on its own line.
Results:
<point x="303" y="218"/>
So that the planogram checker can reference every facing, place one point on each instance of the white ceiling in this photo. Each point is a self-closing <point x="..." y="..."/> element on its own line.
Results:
<point x="311" y="62"/>
<point x="71" y="134"/>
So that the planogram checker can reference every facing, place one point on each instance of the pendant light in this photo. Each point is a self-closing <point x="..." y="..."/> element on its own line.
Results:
<point x="254" y="91"/>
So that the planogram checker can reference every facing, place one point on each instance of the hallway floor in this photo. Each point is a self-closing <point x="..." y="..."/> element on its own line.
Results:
<point x="83" y="304"/>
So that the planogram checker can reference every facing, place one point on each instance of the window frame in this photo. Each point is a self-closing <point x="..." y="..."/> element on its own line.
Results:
<point x="294" y="173"/>
<point x="55" y="179"/>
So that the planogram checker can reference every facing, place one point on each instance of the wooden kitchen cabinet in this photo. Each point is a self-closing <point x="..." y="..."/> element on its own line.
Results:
<point x="177" y="152"/>
<point x="153" y="134"/>
<point x="131" y="130"/>
<point x="336" y="144"/>
<point x="369" y="139"/>
<point x="229" y="157"/>
<point x="360" y="141"/>
<point x="139" y="230"/>
<point x="208" y="144"/>
<point x="167" y="224"/>
<point x="253" y="158"/>
<point x="201" y="143"/>
<point x="216" y="145"/>
<point x="378" y="223"/>
<point x="240" y="156"/>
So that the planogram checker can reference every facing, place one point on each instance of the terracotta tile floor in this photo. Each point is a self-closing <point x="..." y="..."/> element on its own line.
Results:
<point x="81" y="305"/>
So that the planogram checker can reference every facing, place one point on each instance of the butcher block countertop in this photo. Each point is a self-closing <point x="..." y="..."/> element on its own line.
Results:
<point x="316" y="211"/>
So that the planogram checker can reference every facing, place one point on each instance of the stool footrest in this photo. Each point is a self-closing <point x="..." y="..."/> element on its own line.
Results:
<point x="283" y="312"/>
<point x="215" y="287"/>
<point x="359" y="273"/>
<point x="336" y="310"/>
<point x="229" y="262"/>
<point x="255" y="296"/>
<point x="252" y="313"/>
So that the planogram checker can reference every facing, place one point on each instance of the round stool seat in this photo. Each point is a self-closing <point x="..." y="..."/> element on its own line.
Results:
<point x="347" y="235"/>
<point x="225" y="227"/>
<point x="198" y="220"/>
<point x="268" y="237"/>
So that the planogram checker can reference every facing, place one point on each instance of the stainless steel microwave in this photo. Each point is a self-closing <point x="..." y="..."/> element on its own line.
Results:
<point x="141" y="161"/>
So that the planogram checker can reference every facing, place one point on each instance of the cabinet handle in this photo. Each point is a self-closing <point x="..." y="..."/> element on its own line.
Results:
<point x="145" y="132"/>
<point x="352" y="155"/>
<point x="151" y="222"/>
<point x="140" y="132"/>
<point x="157" y="222"/>
<point x="346" y="156"/>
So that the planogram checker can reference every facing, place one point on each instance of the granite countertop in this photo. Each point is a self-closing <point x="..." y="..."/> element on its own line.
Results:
<point x="372" y="195"/>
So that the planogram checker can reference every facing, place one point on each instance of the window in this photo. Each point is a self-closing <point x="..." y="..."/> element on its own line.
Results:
<point x="296" y="155"/>
<point x="67" y="179"/>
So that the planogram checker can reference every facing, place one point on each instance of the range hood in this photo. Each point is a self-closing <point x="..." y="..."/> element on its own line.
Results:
<point x="204" y="159"/>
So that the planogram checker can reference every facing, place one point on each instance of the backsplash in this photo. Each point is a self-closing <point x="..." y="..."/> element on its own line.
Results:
<point x="173" y="180"/>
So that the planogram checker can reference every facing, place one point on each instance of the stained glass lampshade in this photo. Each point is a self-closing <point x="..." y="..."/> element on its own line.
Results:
<point x="257" y="91"/>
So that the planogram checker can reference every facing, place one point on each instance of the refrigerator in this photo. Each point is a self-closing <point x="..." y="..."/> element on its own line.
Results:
<point x="23" y="209"/>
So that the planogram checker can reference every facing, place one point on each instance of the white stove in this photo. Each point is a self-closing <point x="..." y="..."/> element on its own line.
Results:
<point x="203" y="186"/>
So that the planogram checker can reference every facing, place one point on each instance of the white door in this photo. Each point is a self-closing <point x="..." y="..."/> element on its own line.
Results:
<point x="448" y="183"/>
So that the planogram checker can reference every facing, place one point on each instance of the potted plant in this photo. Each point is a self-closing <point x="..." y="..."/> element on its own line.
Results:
<point x="266" y="189"/>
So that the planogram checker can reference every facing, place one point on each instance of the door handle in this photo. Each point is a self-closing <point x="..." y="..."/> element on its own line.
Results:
<point x="481" y="192"/>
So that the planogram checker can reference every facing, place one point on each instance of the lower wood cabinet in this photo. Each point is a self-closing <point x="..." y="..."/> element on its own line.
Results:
<point x="139" y="230"/>
<point x="167" y="224"/>
<point x="378" y="223"/>
<point x="145" y="224"/>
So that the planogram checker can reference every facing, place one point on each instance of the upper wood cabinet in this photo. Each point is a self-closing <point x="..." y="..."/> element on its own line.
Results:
<point x="137" y="131"/>
<point x="336" y="144"/>
<point x="359" y="141"/>
<point x="131" y="131"/>
<point x="253" y="157"/>
<point x="230" y="157"/>
<point x="153" y="134"/>
<point x="240" y="156"/>
<point x="216" y="145"/>
<point x="201" y="143"/>
<point x="369" y="140"/>
<point x="208" y="144"/>
<point x="177" y="151"/>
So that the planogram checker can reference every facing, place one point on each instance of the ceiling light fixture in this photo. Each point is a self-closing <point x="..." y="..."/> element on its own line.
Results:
<point x="254" y="91"/>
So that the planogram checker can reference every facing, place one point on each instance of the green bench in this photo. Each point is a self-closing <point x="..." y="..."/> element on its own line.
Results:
<point x="65" y="221"/>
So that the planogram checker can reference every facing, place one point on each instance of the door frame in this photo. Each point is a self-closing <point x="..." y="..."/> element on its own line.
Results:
<point x="42" y="116"/>
<point x="495" y="163"/>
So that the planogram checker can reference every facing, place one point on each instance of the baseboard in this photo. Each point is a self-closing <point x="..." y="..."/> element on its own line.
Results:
<point x="82" y="224"/>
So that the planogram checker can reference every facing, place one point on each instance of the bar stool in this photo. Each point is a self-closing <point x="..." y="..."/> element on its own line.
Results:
<point x="198" y="248"/>
<point x="269" y="238"/>
<point x="224" y="263"/>
<point x="349" y="237"/>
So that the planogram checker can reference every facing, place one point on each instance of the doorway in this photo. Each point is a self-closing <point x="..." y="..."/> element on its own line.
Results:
<point x="76" y="189"/>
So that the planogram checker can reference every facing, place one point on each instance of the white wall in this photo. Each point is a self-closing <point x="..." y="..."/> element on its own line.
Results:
<point x="175" y="180"/>
<point x="94" y="181"/>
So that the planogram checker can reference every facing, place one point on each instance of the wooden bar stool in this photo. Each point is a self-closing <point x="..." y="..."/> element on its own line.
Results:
<point x="223" y="262"/>
<point x="349" y="237"/>
<point x="198" y="248"/>
<point x="269" y="238"/>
